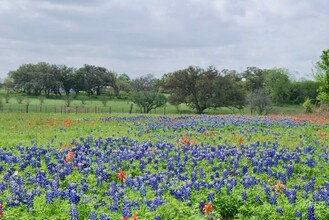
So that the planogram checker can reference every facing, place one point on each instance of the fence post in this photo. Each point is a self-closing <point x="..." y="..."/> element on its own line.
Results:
<point x="110" y="109"/>
<point x="164" y="109"/>
<point x="27" y="108"/>
<point x="61" y="109"/>
<point x="55" y="109"/>
<point x="131" y="108"/>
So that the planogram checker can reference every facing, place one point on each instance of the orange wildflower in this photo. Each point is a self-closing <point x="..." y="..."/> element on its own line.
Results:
<point x="240" y="140"/>
<point x="279" y="185"/>
<point x="134" y="217"/>
<point x="207" y="209"/>
<point x="121" y="175"/>
<point x="69" y="156"/>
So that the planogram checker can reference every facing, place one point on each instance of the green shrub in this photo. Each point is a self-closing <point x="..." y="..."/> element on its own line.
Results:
<point x="308" y="106"/>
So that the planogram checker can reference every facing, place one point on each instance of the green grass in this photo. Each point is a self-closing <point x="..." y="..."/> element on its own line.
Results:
<point x="52" y="131"/>
<point x="122" y="106"/>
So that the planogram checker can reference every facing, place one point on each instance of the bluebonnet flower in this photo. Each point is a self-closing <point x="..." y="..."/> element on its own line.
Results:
<point x="73" y="196"/>
<point x="74" y="212"/>
<point x="272" y="199"/>
<point x="201" y="205"/>
<point x="211" y="197"/>
<point x="257" y="198"/>
<point x="279" y="210"/>
<point x="142" y="191"/>
<point x="103" y="217"/>
<point x="244" y="196"/>
<point x="283" y="178"/>
<point x="316" y="197"/>
<point x="93" y="216"/>
<point x="290" y="170"/>
<point x="298" y="214"/>
<point x="292" y="196"/>
<point x="126" y="208"/>
<point x="49" y="197"/>
<point x="244" y="169"/>
<point x="229" y="188"/>
<point x="310" y="212"/>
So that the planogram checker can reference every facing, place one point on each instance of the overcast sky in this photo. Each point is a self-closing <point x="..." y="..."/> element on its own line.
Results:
<point x="139" y="37"/>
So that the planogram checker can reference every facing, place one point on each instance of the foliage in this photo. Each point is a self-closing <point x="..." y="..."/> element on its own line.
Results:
<point x="308" y="106"/>
<point x="215" y="167"/>
<point x="254" y="78"/>
<point x="7" y="97"/>
<point x="322" y="76"/>
<point x="202" y="89"/>
<point x="41" y="99"/>
<point x="104" y="100"/>
<point x="68" y="100"/>
<point x="277" y="85"/>
<point x="302" y="90"/>
<point x="149" y="100"/>
<point x="259" y="101"/>
<point x="19" y="99"/>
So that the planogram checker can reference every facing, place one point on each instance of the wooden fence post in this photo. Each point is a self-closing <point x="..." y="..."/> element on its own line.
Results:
<point x="131" y="108"/>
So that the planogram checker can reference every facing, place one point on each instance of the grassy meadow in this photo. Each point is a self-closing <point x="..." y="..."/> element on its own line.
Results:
<point x="130" y="166"/>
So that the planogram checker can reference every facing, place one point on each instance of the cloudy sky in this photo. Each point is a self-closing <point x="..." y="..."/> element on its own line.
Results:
<point x="139" y="37"/>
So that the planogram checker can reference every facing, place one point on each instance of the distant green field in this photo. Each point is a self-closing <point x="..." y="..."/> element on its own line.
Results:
<point x="120" y="106"/>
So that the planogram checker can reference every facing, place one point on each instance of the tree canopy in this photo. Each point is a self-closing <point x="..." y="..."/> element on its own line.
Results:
<point x="203" y="88"/>
<point x="322" y="76"/>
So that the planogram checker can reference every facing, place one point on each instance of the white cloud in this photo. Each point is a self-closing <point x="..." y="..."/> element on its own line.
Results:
<point x="140" y="37"/>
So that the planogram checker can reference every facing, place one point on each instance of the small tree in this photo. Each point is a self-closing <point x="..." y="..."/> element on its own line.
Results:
<point x="259" y="101"/>
<point x="28" y="101"/>
<point x="7" y="97"/>
<point x="41" y="100"/>
<point x="308" y="106"/>
<point x="104" y="100"/>
<point x="20" y="99"/>
<point x="68" y="100"/>
<point x="83" y="99"/>
<point x="149" y="100"/>
<point x="322" y="77"/>
<point x="1" y="104"/>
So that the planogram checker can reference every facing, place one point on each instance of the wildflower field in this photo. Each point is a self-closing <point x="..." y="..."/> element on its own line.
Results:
<point x="88" y="166"/>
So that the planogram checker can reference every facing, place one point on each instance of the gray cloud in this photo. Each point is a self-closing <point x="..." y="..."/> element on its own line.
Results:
<point x="140" y="37"/>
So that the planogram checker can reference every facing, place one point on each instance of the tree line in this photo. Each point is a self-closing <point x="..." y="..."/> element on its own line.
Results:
<point x="199" y="88"/>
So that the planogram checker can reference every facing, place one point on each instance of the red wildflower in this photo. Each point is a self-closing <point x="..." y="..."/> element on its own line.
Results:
<point x="134" y="217"/>
<point x="69" y="156"/>
<point x="279" y="185"/>
<point x="124" y="218"/>
<point x="207" y="208"/>
<point x="240" y="140"/>
<point x="121" y="175"/>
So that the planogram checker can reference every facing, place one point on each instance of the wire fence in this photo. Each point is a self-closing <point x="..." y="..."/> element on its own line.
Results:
<point x="62" y="109"/>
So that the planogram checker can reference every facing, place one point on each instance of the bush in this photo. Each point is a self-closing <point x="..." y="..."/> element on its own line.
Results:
<point x="308" y="106"/>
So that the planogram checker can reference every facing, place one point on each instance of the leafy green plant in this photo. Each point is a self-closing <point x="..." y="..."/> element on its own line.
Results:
<point x="308" y="106"/>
